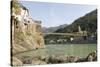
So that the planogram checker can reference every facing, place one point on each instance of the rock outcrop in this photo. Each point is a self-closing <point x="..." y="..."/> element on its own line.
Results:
<point x="26" y="36"/>
<point x="16" y="61"/>
<point x="26" y="33"/>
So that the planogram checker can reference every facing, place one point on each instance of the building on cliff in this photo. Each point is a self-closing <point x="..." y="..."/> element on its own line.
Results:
<point x="25" y="26"/>
<point x="26" y="33"/>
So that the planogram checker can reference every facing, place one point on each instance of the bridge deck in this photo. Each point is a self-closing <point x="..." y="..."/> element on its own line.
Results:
<point x="65" y="34"/>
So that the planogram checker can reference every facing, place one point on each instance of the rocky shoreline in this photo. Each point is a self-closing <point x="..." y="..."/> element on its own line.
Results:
<point x="56" y="59"/>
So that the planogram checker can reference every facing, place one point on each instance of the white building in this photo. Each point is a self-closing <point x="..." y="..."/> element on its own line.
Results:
<point x="22" y="14"/>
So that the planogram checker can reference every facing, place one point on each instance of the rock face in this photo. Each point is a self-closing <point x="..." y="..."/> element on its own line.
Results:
<point x="16" y="61"/>
<point x="26" y="36"/>
<point x="26" y="33"/>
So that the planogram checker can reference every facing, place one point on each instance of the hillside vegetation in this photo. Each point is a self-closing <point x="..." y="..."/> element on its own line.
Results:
<point x="87" y="23"/>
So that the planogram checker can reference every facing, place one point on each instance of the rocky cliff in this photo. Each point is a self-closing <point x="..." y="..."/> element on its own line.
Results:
<point x="25" y="33"/>
<point x="25" y="36"/>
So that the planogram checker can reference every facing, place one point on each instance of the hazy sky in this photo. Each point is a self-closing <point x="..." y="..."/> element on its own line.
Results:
<point x="54" y="14"/>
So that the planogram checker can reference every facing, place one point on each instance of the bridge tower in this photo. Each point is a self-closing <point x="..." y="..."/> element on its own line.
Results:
<point x="79" y="29"/>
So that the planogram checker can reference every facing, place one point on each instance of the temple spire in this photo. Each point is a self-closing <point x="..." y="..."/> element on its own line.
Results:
<point x="79" y="29"/>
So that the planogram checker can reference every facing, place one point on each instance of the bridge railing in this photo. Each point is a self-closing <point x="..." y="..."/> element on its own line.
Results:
<point x="66" y="34"/>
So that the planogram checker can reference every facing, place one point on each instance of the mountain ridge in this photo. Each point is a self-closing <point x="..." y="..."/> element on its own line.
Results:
<point x="53" y="29"/>
<point x="87" y="22"/>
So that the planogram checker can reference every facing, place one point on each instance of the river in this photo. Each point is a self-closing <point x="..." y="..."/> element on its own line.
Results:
<point x="81" y="50"/>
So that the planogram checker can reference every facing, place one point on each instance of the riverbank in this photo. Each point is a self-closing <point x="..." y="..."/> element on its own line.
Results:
<point x="57" y="59"/>
<point x="53" y="54"/>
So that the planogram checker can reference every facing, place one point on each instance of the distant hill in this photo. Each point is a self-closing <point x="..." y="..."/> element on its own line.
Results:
<point x="53" y="29"/>
<point x="87" y="23"/>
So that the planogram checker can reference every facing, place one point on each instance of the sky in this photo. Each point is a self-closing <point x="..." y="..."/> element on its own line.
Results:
<point x="55" y="14"/>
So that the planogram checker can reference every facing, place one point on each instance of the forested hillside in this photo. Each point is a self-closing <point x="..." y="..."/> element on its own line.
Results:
<point x="87" y="23"/>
